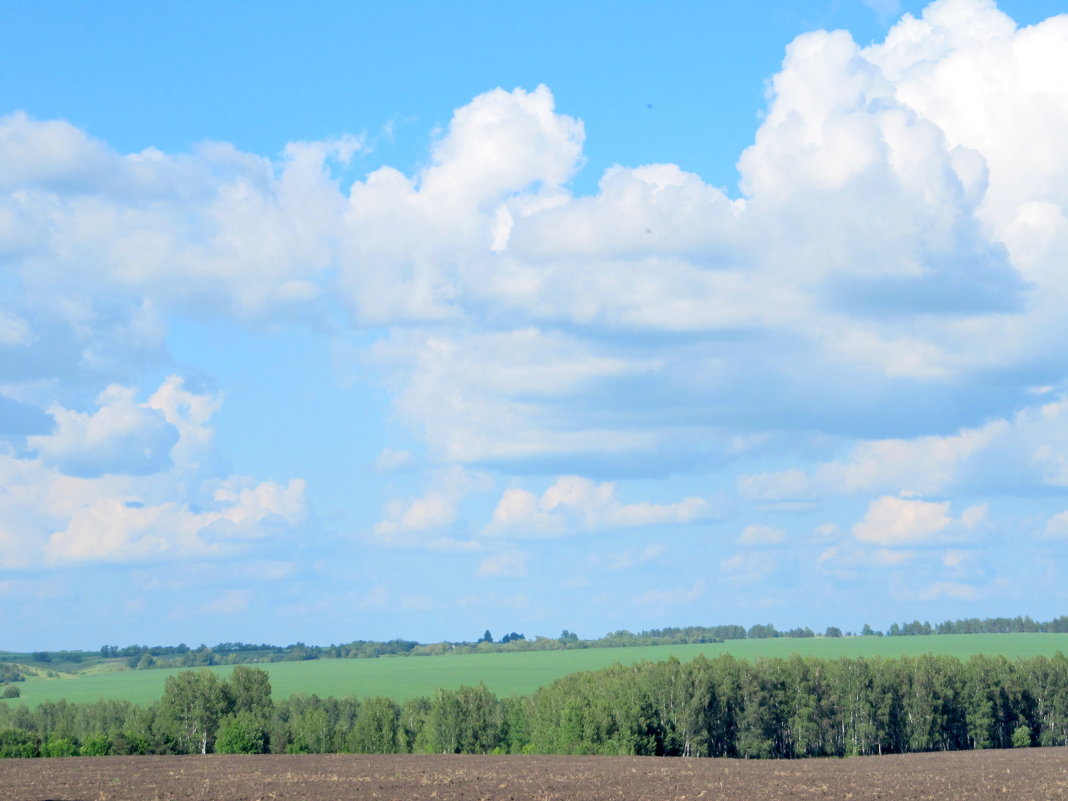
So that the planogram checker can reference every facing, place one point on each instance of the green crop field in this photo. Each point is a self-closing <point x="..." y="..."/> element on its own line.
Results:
<point x="516" y="673"/>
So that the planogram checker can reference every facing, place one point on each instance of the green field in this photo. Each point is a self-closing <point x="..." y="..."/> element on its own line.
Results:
<point x="517" y="673"/>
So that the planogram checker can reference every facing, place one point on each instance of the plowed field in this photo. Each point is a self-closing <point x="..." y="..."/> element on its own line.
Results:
<point x="1039" y="774"/>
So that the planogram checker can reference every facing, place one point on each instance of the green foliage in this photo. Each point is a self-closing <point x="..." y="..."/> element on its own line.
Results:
<point x="377" y="728"/>
<point x="462" y="721"/>
<point x="16" y="743"/>
<point x="129" y="743"/>
<point x="10" y="691"/>
<point x="195" y="703"/>
<point x="95" y="745"/>
<point x="59" y="747"/>
<point x="760" y="708"/>
<point x="242" y="733"/>
<point x="250" y="691"/>
<point x="1021" y="736"/>
<point x="192" y="704"/>
<point x="413" y="715"/>
<point x="761" y="632"/>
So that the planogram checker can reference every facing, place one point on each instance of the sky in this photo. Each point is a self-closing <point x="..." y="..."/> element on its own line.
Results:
<point x="335" y="321"/>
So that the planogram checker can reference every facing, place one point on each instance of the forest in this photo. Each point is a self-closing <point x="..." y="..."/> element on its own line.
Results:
<point x="722" y="707"/>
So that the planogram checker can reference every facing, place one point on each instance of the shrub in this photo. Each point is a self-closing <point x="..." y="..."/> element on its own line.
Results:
<point x="17" y="743"/>
<point x="96" y="745"/>
<point x="59" y="747"/>
<point x="1021" y="737"/>
<point x="10" y="691"/>
<point x="128" y="742"/>
<point x="241" y="734"/>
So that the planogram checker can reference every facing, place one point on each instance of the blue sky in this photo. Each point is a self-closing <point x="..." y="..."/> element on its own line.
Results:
<point x="342" y="321"/>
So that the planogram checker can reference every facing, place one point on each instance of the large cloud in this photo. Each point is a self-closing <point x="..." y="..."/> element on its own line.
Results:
<point x="1022" y="454"/>
<point x="134" y="482"/>
<point x="122" y="436"/>
<point x="887" y="283"/>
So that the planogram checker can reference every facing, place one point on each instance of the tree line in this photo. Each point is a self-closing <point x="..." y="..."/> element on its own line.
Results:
<point x="721" y="707"/>
<point x="233" y="653"/>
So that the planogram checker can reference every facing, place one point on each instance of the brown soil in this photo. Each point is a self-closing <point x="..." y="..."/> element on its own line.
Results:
<point x="1037" y="774"/>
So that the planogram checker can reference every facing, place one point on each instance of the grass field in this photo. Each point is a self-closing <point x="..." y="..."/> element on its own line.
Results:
<point x="517" y="673"/>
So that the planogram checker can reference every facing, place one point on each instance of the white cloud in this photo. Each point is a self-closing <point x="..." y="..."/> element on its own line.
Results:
<point x="122" y="436"/>
<point x="390" y="459"/>
<point x="512" y="564"/>
<point x="575" y="504"/>
<point x="897" y="521"/>
<point x="496" y="397"/>
<point x="893" y="239"/>
<point x="13" y="329"/>
<point x="1057" y="526"/>
<point x="893" y="522"/>
<point x="954" y="558"/>
<point x="432" y="510"/>
<point x="1003" y="455"/>
<point x="179" y="510"/>
<point x="111" y="529"/>
<point x="418" y="521"/>
<point x="826" y="530"/>
<point x="887" y="288"/>
<point x="756" y="534"/>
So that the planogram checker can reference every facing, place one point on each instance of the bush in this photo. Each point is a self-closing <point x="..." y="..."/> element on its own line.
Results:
<point x="241" y="734"/>
<point x="1021" y="737"/>
<point x="59" y="747"/>
<point x="127" y="742"/>
<point x="17" y="743"/>
<point x="96" y="745"/>
<point x="10" y="691"/>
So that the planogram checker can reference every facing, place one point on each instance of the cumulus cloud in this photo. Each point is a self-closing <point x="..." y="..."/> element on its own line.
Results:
<point x="575" y="504"/>
<point x="877" y="298"/>
<point x="891" y="238"/>
<point x="893" y="522"/>
<point x="122" y="436"/>
<point x="419" y="521"/>
<point x="58" y="510"/>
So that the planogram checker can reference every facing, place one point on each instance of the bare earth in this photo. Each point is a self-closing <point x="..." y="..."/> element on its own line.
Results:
<point x="1037" y="774"/>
